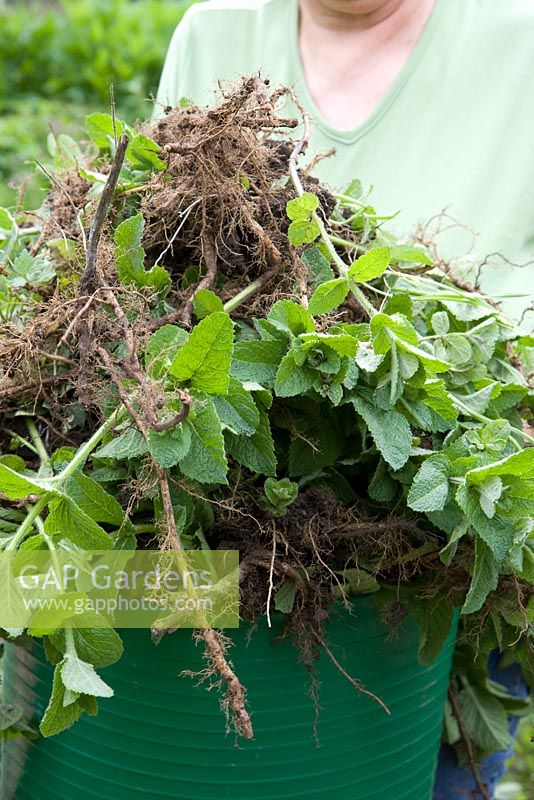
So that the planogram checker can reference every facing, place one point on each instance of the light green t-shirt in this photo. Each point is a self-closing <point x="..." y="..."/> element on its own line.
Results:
<point x="454" y="133"/>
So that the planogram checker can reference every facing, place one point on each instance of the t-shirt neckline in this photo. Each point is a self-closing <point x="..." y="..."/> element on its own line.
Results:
<point x="353" y="134"/>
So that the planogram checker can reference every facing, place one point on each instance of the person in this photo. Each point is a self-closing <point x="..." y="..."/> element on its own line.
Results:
<point x="430" y="101"/>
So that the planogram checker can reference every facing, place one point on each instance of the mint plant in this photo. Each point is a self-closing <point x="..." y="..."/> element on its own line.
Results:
<point x="256" y="363"/>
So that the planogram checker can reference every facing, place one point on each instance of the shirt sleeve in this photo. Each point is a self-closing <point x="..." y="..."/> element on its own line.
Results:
<point x="172" y="85"/>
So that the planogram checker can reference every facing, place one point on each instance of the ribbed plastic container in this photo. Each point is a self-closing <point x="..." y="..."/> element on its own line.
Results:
<point x="162" y="737"/>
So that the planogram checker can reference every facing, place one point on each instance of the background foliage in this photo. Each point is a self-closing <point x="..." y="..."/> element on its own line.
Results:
<point x="57" y="61"/>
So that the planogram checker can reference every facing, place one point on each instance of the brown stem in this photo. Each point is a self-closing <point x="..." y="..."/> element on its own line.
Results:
<point x="481" y="786"/>
<point x="88" y="278"/>
<point x="207" y="281"/>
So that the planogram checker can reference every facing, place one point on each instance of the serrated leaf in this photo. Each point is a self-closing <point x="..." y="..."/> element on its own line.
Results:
<point x="385" y="327"/>
<point x="80" y="677"/>
<point x="162" y="347"/>
<point x="440" y="322"/>
<point x="454" y="348"/>
<point x="438" y="398"/>
<point x="169" y="447"/>
<point x="328" y="296"/>
<point x="206" y="460"/>
<point x="520" y="464"/>
<point x="430" y="488"/>
<point x="100" y="129"/>
<point x="303" y="232"/>
<point x="142" y="153"/>
<point x="292" y="378"/>
<point x="301" y="208"/>
<point x="497" y="533"/>
<point x="15" y="486"/>
<point x="409" y="253"/>
<point x="490" y="492"/>
<point x="93" y="499"/>
<point x="485" y="719"/>
<point x="284" y="598"/>
<point x="257" y="361"/>
<point x="237" y="410"/>
<point x="130" y="257"/>
<point x="370" y="265"/>
<point x="66" y="520"/>
<point x="100" y="646"/>
<point x="129" y="444"/>
<point x="206" y="302"/>
<point x="57" y="716"/>
<point x="291" y="318"/>
<point x="485" y="578"/>
<point x="205" y="358"/>
<point x="390" y="431"/>
<point x="255" y="452"/>
<point x="318" y="266"/>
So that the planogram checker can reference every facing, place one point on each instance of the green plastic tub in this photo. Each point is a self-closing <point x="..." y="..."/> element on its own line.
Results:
<point x="163" y="737"/>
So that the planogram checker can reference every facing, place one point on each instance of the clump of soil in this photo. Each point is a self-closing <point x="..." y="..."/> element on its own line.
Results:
<point x="214" y="217"/>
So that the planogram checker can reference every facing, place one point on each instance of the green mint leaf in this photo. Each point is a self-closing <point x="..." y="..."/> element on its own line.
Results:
<point x="130" y="257"/>
<point x="206" y="302"/>
<point x="411" y="254"/>
<point x="370" y="265"/>
<point x="342" y="343"/>
<point x="280" y="493"/>
<point x="485" y="719"/>
<point x="237" y="410"/>
<point x="169" y="447"/>
<point x="129" y="444"/>
<point x="93" y="499"/>
<point x="206" y="460"/>
<point x="15" y="486"/>
<point x="434" y="619"/>
<point x="454" y="348"/>
<point x="328" y="296"/>
<point x="100" y="646"/>
<point x="66" y="520"/>
<point x="520" y="464"/>
<point x="162" y="347"/>
<point x="318" y="265"/>
<point x="255" y="452"/>
<point x="292" y="378"/>
<point x="490" y="492"/>
<point x="291" y="318"/>
<point x="80" y="677"/>
<point x="430" y="488"/>
<point x="438" y="398"/>
<point x="497" y="533"/>
<point x="303" y="232"/>
<point x="440" y="322"/>
<point x="284" y="598"/>
<point x="58" y="717"/>
<point x="390" y="431"/>
<point x="485" y="578"/>
<point x="257" y="362"/>
<point x="142" y="153"/>
<point x="100" y="130"/>
<point x="204" y="360"/>
<point x="301" y="208"/>
<point x="384" y="325"/>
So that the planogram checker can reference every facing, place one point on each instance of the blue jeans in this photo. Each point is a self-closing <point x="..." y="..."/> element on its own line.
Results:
<point x="453" y="783"/>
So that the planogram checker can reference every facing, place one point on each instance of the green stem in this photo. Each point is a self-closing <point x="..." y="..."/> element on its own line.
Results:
<point x="243" y="295"/>
<point x="344" y="242"/>
<point x="39" y="445"/>
<point x="85" y="450"/>
<point x="27" y="523"/>
<point x="145" y="528"/>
